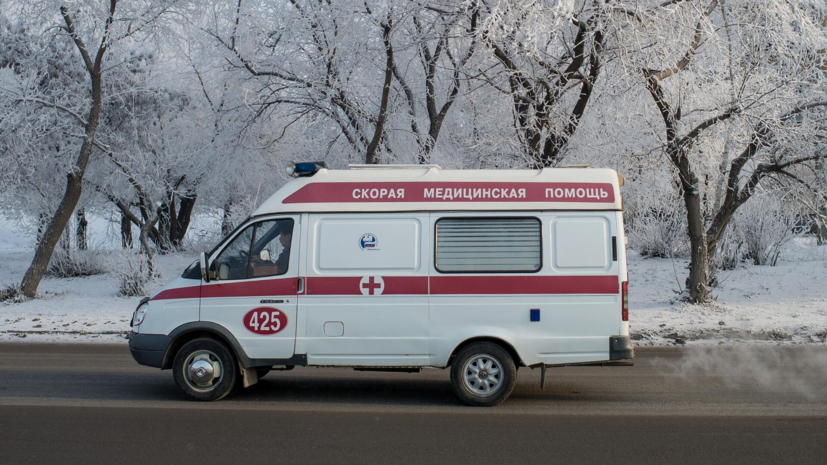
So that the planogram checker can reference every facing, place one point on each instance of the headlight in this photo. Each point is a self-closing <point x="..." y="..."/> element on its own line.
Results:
<point x="139" y="315"/>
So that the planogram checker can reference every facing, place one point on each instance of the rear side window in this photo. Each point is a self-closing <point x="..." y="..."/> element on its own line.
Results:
<point x="488" y="245"/>
<point x="581" y="243"/>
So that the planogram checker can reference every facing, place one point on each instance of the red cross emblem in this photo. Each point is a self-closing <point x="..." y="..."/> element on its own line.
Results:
<point x="371" y="285"/>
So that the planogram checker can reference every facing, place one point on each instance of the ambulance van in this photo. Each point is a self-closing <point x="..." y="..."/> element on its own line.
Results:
<point x="400" y="268"/>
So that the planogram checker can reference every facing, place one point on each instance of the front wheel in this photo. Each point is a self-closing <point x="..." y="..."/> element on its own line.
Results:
<point x="483" y="374"/>
<point x="205" y="370"/>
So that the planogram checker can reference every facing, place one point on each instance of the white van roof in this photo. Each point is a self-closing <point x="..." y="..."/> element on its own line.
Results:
<point x="391" y="188"/>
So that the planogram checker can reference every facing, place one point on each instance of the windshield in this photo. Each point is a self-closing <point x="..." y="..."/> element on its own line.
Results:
<point x="193" y="271"/>
<point x="222" y="241"/>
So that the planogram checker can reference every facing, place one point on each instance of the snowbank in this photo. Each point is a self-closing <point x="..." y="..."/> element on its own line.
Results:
<point x="784" y="303"/>
<point x="84" y="309"/>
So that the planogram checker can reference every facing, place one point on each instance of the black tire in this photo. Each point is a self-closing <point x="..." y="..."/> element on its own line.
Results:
<point x="476" y="387"/>
<point x="215" y="354"/>
<point x="262" y="371"/>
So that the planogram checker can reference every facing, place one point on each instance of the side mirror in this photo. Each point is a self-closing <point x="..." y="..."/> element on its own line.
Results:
<point x="205" y="271"/>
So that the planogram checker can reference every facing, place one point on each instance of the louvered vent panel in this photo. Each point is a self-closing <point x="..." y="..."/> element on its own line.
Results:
<point x="488" y="245"/>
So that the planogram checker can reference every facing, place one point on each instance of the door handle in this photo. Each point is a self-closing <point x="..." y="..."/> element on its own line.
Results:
<point x="269" y="301"/>
<point x="300" y="289"/>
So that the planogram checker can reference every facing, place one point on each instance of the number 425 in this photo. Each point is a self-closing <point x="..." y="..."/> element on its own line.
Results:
<point x="267" y="319"/>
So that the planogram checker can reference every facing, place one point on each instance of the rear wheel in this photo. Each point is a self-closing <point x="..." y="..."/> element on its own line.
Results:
<point x="483" y="374"/>
<point x="205" y="370"/>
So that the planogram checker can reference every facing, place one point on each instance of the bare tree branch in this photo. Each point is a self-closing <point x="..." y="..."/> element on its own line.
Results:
<point x="696" y="42"/>
<point x="70" y="28"/>
<point x="68" y="111"/>
<point x="370" y="155"/>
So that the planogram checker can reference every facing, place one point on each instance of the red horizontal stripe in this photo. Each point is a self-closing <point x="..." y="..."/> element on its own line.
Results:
<point x="189" y="292"/>
<point x="404" y="285"/>
<point x="258" y="288"/>
<point x="442" y="285"/>
<point x="333" y="286"/>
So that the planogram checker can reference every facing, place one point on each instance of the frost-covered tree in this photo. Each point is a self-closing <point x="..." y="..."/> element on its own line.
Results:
<point x="547" y="70"/>
<point x="158" y="116"/>
<point x="98" y="33"/>
<point x="36" y="144"/>
<point x="740" y="91"/>
<point x="442" y="41"/>
<point x="384" y="77"/>
<point x="298" y="61"/>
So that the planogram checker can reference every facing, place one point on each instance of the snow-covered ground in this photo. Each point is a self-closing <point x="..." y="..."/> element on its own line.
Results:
<point x="782" y="304"/>
<point x="73" y="309"/>
<point x="84" y="309"/>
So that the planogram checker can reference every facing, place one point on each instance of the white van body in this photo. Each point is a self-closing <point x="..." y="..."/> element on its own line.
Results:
<point x="400" y="267"/>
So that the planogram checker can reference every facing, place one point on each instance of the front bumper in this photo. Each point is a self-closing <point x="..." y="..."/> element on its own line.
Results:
<point x="149" y="349"/>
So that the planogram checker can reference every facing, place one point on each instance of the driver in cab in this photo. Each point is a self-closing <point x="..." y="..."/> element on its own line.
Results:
<point x="262" y="264"/>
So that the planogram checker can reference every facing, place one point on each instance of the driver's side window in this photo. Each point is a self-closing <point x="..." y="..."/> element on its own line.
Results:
<point x="267" y="242"/>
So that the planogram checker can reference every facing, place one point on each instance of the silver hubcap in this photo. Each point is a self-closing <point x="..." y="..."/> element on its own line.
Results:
<point x="482" y="375"/>
<point x="203" y="370"/>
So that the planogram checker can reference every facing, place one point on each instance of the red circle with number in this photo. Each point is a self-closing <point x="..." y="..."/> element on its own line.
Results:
<point x="265" y="320"/>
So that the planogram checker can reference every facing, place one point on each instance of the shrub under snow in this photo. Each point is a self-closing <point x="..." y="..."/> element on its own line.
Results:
<point x="658" y="233"/>
<point x="75" y="263"/>
<point x="655" y="217"/>
<point x="132" y="274"/>
<point x="11" y="293"/>
<point x="764" y="224"/>
<point x="730" y="252"/>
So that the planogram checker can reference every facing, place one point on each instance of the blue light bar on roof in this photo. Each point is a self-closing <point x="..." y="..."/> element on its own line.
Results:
<point x="304" y="168"/>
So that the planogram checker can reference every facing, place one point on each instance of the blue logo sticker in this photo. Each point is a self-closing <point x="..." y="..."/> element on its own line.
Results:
<point x="368" y="242"/>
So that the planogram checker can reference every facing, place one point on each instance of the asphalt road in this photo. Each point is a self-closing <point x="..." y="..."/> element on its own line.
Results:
<point x="93" y="404"/>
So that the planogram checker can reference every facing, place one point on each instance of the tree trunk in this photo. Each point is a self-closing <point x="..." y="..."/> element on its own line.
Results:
<point x="165" y="223"/>
<point x="74" y="178"/>
<point x="370" y="155"/>
<point x="149" y="215"/>
<point x="713" y="237"/>
<point x="183" y="218"/>
<point x="164" y="220"/>
<point x="63" y="213"/>
<point x="147" y="250"/>
<point x="677" y="150"/>
<point x="718" y="226"/>
<point x="81" y="230"/>
<point x="126" y="232"/>
<point x="227" y="222"/>
<point x="66" y="239"/>
<point x="146" y="228"/>
<point x="173" y="222"/>
<point x="41" y="227"/>
<point x="697" y="280"/>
